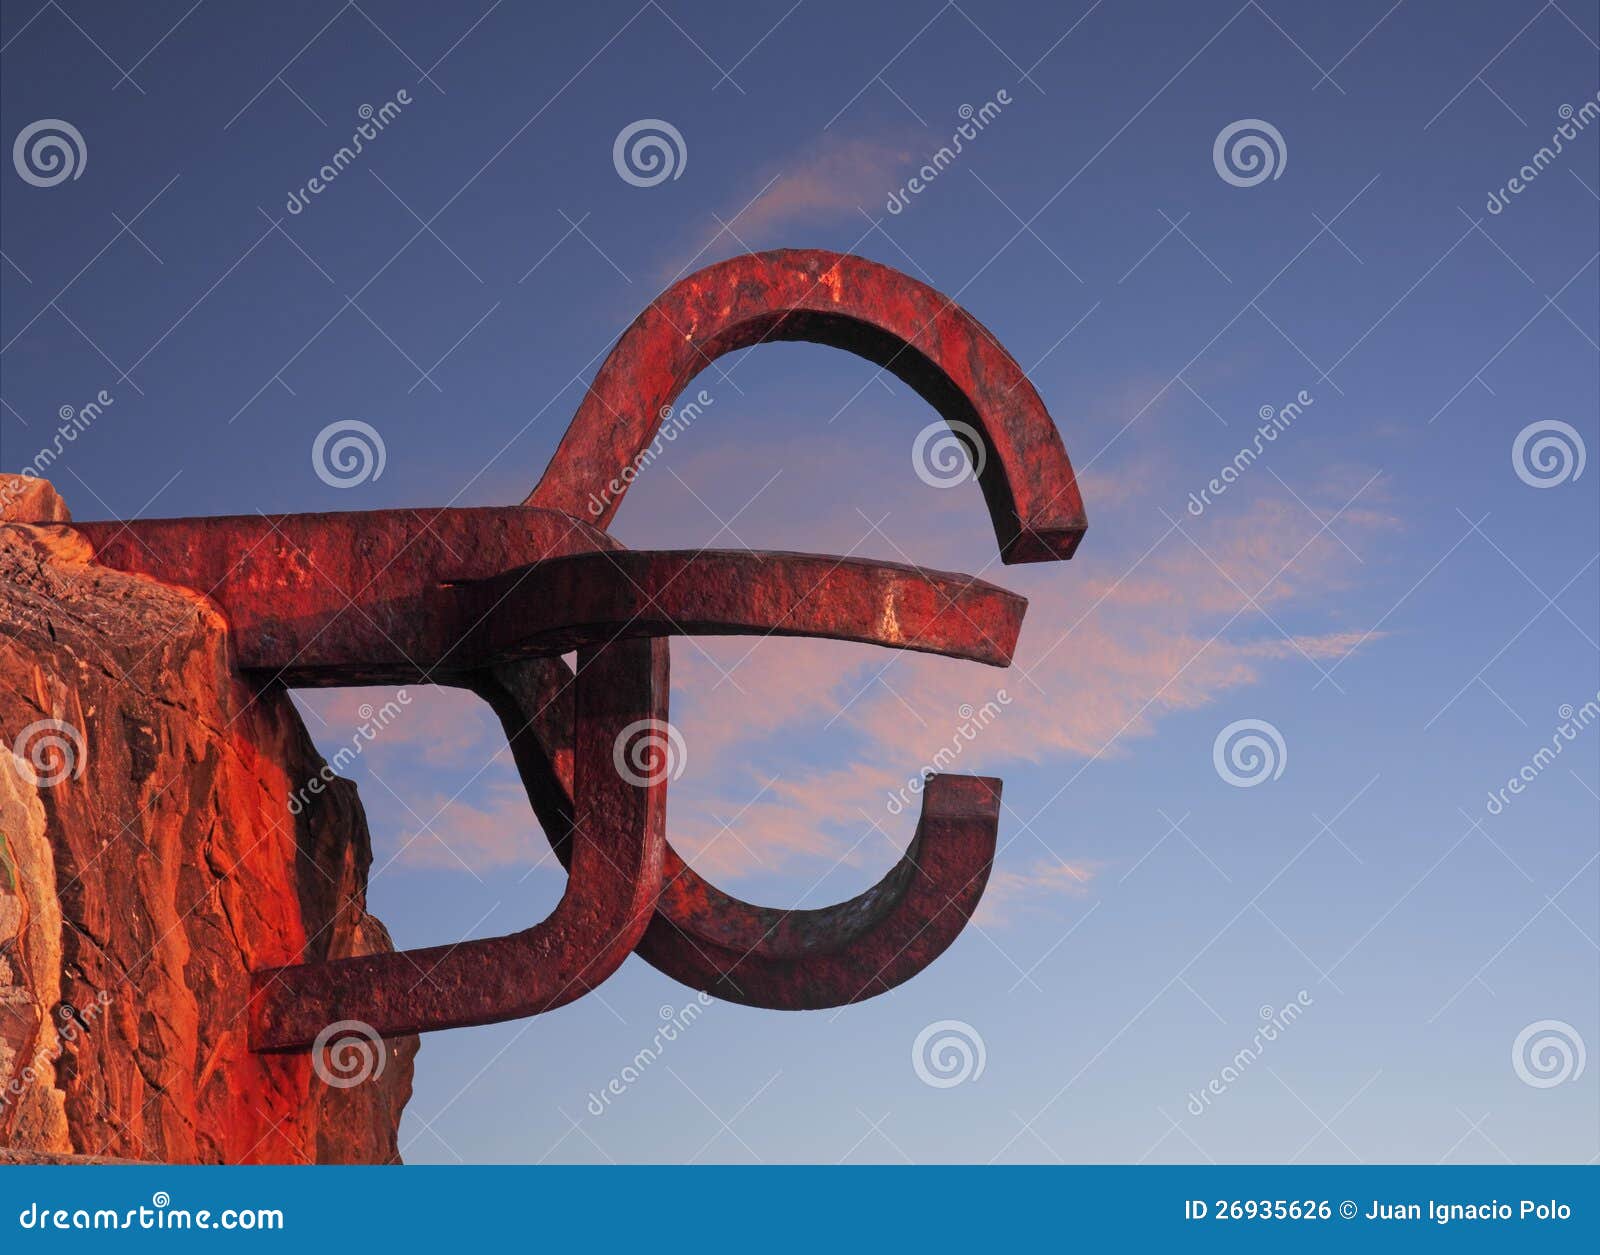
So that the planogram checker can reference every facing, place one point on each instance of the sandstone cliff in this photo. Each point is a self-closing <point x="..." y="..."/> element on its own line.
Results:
<point x="148" y="863"/>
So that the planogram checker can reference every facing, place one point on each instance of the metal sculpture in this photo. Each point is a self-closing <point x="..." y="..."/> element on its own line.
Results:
<point x="489" y="600"/>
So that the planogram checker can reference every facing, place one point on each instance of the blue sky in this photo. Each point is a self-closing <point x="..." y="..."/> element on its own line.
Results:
<point x="1381" y="585"/>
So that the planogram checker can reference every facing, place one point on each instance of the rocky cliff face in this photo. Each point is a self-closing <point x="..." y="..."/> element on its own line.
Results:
<point x="149" y="863"/>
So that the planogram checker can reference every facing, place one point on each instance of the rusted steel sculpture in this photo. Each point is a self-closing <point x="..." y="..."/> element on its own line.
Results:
<point x="489" y="600"/>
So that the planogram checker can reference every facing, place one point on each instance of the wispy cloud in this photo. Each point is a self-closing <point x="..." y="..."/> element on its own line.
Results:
<point x="443" y="726"/>
<point x="1038" y="887"/>
<point x="490" y="826"/>
<point x="1108" y="650"/>
<point x="738" y="822"/>
<point x="1102" y="660"/>
<point x="1176" y="616"/>
<point x="829" y="181"/>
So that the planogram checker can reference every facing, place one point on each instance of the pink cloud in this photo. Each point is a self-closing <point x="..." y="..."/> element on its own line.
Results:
<point x="489" y="826"/>
<point x="833" y="179"/>
<point x="443" y="725"/>
<point x="1101" y="660"/>
<point x="749" y="824"/>
<point x="1009" y="890"/>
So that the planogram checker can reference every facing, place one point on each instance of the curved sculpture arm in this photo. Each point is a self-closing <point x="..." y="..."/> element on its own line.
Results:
<point x="804" y="960"/>
<point x="614" y="854"/>
<point x="766" y="956"/>
<point x="487" y="599"/>
<point x="845" y="301"/>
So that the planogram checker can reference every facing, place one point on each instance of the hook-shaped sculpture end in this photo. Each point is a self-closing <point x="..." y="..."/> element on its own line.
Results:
<point x="805" y="960"/>
<point x="850" y="303"/>
<point x="615" y="854"/>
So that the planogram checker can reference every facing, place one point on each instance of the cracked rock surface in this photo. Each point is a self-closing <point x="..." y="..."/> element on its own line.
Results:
<point x="149" y="863"/>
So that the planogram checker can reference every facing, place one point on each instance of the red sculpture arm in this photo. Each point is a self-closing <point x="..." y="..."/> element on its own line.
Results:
<point x="552" y="606"/>
<point x="851" y="303"/>
<point x="616" y="873"/>
<point x="486" y="599"/>
<point x="766" y="956"/>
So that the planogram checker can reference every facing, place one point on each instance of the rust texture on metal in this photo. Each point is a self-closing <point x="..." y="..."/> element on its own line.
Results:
<point x="615" y="872"/>
<point x="488" y="599"/>
<point x="924" y="338"/>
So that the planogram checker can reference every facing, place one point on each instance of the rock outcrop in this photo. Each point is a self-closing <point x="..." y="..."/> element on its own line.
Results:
<point x="148" y="863"/>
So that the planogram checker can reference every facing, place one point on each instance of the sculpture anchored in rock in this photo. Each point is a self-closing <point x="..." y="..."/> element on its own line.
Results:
<point x="490" y="599"/>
